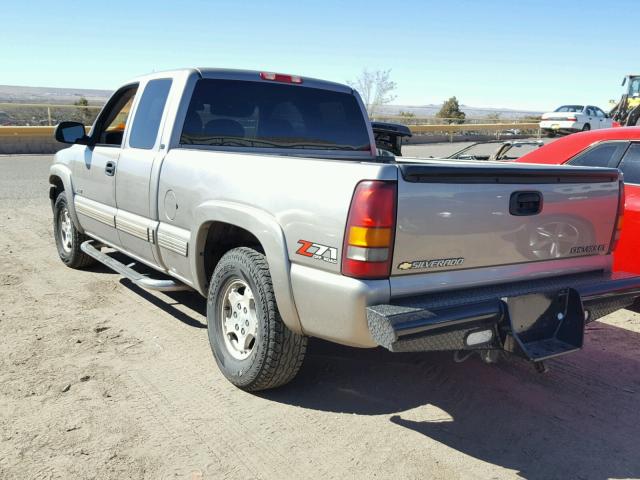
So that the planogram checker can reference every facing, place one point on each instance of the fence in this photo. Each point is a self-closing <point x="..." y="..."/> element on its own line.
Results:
<point x="37" y="114"/>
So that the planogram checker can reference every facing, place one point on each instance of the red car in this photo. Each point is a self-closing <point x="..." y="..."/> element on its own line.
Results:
<point x="612" y="147"/>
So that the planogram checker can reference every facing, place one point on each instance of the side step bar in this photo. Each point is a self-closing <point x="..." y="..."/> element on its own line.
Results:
<point x="139" y="279"/>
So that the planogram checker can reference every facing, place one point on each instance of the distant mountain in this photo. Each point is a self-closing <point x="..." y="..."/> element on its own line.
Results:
<point x="56" y="96"/>
<point x="65" y="96"/>
<point x="472" y="112"/>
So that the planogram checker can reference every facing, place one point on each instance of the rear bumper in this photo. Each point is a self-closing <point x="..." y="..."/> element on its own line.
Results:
<point x="448" y="321"/>
<point x="554" y="126"/>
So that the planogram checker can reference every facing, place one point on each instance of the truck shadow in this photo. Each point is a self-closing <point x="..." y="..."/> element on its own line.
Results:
<point x="581" y="420"/>
<point x="186" y="306"/>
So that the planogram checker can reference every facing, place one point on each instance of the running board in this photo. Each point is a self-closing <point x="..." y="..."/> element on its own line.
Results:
<point x="138" y="278"/>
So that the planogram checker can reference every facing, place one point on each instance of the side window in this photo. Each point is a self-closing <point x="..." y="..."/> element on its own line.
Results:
<point x="603" y="155"/>
<point x="112" y="121"/>
<point x="146" y="123"/>
<point x="599" y="112"/>
<point x="630" y="165"/>
<point x="591" y="112"/>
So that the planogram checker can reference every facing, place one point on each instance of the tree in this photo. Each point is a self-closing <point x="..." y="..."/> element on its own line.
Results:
<point x="407" y="114"/>
<point x="451" y="110"/>
<point x="82" y="102"/>
<point x="375" y="87"/>
<point x="85" y="114"/>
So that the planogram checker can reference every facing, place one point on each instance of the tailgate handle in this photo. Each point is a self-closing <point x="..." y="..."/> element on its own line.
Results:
<point x="525" y="203"/>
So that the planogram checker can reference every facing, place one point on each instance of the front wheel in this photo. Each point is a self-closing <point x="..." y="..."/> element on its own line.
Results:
<point x="252" y="346"/>
<point x="68" y="238"/>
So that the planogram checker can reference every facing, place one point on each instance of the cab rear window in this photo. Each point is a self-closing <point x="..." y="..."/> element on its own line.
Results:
<point x="233" y="113"/>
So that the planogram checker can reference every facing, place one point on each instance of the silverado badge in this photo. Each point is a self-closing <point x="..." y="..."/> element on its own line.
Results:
<point x="437" y="263"/>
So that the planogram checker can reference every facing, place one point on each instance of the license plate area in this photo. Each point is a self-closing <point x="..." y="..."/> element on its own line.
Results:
<point x="545" y="325"/>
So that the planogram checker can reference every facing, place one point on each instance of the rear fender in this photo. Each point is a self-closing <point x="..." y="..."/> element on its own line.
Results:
<point x="267" y="230"/>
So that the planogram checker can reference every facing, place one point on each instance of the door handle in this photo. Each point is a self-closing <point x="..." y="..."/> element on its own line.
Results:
<point x="110" y="168"/>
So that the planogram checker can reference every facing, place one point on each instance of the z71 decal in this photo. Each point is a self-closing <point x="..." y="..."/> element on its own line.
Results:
<point x="318" y="251"/>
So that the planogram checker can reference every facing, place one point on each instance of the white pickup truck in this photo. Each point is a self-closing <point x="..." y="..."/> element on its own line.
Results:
<point x="264" y="193"/>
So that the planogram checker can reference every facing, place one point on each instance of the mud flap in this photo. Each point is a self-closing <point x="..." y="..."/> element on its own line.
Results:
<point x="545" y="325"/>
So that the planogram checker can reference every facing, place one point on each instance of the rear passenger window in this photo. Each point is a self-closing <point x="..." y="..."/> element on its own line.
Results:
<point x="149" y="113"/>
<point x="604" y="155"/>
<point x="631" y="165"/>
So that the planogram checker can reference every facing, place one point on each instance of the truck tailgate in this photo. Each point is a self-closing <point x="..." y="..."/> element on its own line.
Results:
<point x="460" y="215"/>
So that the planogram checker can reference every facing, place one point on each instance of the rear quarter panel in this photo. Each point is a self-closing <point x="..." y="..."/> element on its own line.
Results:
<point x="309" y="198"/>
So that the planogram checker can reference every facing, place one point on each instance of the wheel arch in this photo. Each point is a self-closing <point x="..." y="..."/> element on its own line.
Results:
<point x="60" y="181"/>
<point x="251" y="225"/>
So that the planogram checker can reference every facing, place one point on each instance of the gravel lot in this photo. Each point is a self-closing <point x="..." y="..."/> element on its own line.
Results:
<point x="99" y="379"/>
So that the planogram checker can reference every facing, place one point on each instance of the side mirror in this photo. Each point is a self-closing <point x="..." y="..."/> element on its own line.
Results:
<point x="71" y="132"/>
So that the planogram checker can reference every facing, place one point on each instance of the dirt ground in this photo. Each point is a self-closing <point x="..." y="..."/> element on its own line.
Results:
<point x="99" y="379"/>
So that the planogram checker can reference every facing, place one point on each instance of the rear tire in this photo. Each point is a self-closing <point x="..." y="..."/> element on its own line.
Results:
<point x="68" y="238"/>
<point x="252" y="346"/>
<point x="586" y="127"/>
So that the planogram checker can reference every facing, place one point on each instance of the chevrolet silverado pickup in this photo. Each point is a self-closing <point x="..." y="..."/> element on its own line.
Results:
<point x="263" y="192"/>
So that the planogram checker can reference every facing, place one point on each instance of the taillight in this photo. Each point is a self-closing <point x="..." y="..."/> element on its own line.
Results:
<point x="280" y="77"/>
<point x="368" y="238"/>
<point x="572" y="119"/>
<point x="619" y="220"/>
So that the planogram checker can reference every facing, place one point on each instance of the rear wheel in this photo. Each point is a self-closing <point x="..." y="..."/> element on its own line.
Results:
<point x="68" y="238"/>
<point x="586" y="127"/>
<point x="252" y="346"/>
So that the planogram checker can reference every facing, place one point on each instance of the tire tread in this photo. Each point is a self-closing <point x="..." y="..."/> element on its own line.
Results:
<point x="77" y="259"/>
<point x="285" y="350"/>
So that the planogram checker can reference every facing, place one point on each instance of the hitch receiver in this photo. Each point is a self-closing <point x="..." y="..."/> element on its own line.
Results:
<point x="545" y="325"/>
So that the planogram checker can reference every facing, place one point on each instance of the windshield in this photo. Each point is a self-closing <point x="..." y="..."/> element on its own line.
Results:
<point x="634" y="88"/>
<point x="259" y="114"/>
<point x="570" y="108"/>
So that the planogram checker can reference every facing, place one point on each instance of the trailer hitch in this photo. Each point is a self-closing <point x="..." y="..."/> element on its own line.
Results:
<point x="544" y="325"/>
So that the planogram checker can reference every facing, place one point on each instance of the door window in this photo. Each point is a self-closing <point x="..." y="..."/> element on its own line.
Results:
<point x="604" y="155"/>
<point x="630" y="165"/>
<point x="146" y="123"/>
<point x="112" y="121"/>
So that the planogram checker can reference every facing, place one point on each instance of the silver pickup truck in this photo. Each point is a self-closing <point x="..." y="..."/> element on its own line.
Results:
<point x="263" y="192"/>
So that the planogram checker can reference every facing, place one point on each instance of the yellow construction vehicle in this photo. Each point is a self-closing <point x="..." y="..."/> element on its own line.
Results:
<point x="627" y="110"/>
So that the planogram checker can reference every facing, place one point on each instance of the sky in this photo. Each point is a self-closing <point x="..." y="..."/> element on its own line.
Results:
<point x="522" y="54"/>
